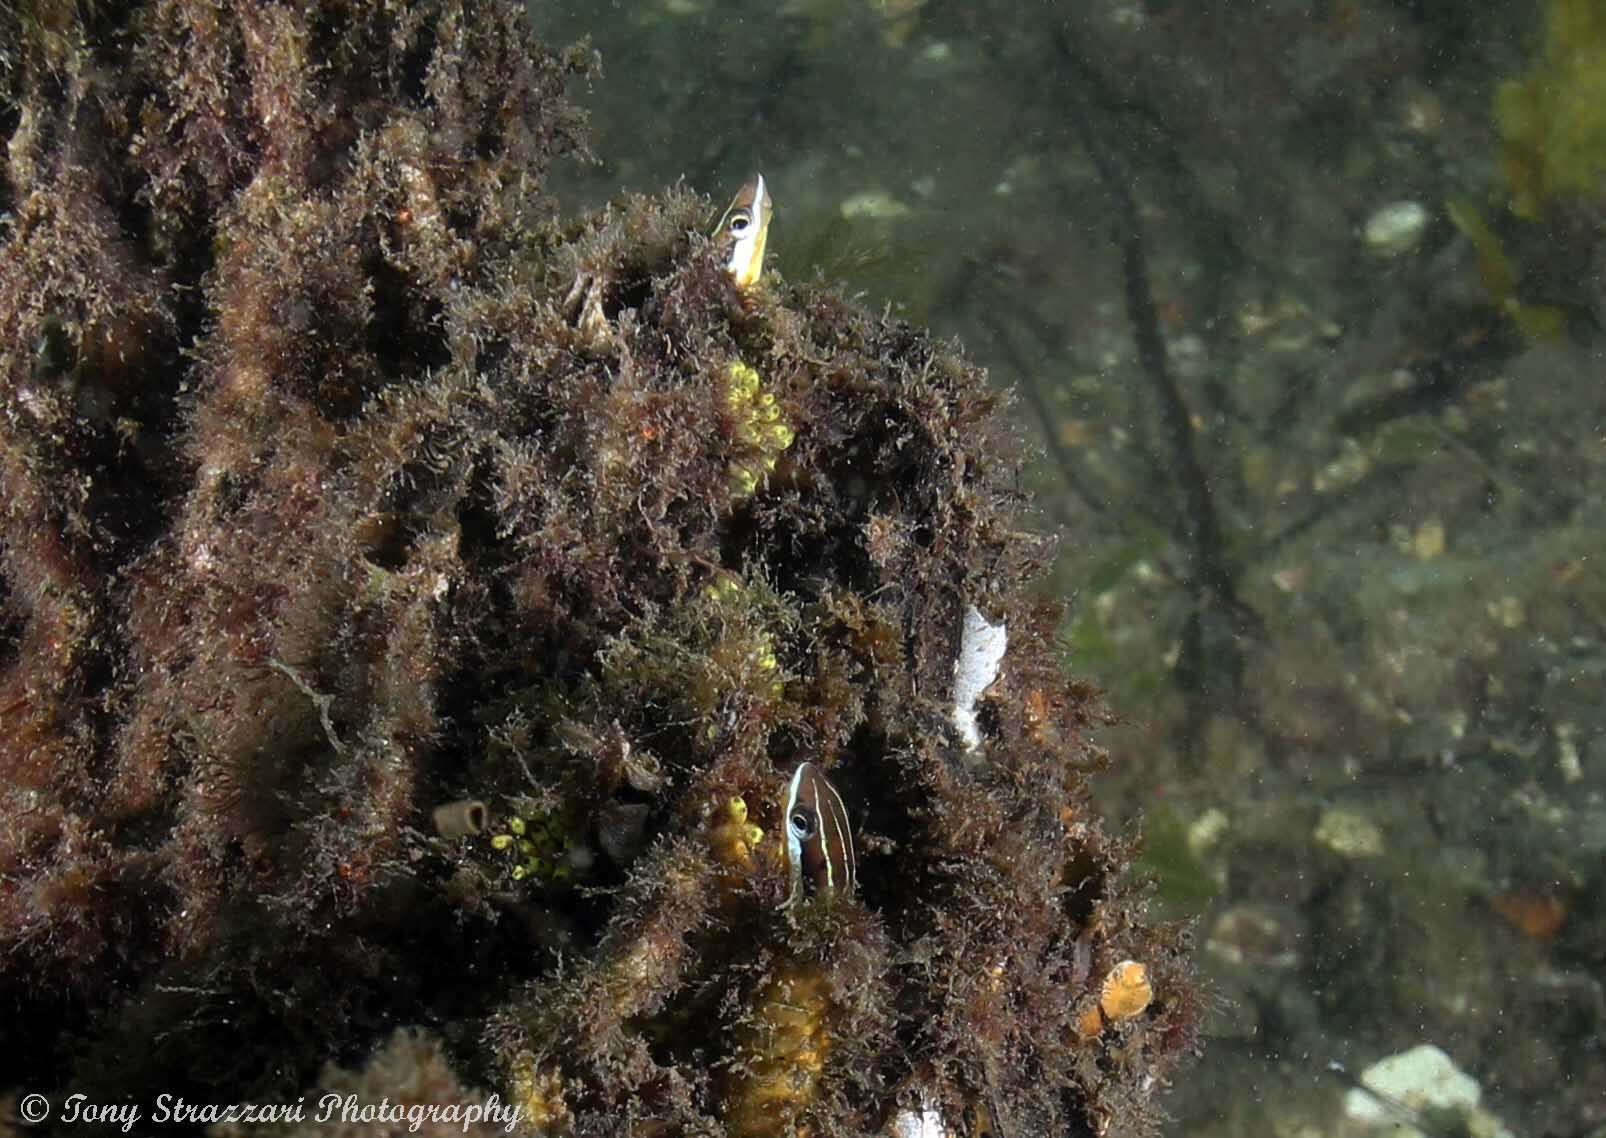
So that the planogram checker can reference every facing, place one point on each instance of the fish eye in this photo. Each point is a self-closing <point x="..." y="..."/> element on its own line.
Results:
<point x="739" y="223"/>
<point x="802" y="824"/>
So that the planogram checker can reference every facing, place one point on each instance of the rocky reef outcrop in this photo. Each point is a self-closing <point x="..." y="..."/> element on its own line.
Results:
<point x="343" y="480"/>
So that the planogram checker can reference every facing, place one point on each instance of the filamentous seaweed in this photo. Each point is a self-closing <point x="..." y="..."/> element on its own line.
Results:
<point x="416" y="603"/>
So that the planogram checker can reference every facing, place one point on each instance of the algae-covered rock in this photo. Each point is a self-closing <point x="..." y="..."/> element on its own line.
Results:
<point x="344" y="481"/>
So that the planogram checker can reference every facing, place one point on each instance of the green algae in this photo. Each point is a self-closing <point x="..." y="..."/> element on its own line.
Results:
<point x="1553" y="120"/>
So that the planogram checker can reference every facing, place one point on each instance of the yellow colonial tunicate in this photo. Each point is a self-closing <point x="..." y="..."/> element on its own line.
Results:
<point x="724" y="587"/>
<point x="539" y="1093"/>
<point x="751" y="656"/>
<point x="781" y="1054"/>
<point x="760" y="431"/>
<point x="762" y="657"/>
<point x="537" y="848"/>
<point x="732" y="837"/>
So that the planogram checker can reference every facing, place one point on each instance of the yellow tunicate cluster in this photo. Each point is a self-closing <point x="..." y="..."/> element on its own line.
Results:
<point x="762" y="656"/>
<point x="760" y="432"/>
<point x="732" y="837"/>
<point x="723" y="587"/>
<point x="755" y="652"/>
<point x="540" y="1095"/>
<point x="781" y="1056"/>
<point x="537" y="846"/>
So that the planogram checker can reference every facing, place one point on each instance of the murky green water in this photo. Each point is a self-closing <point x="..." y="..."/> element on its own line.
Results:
<point x="1303" y="307"/>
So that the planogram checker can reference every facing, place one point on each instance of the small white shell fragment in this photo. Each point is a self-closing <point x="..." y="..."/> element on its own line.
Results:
<point x="1421" y="1079"/>
<point x="873" y="205"/>
<point x="1395" y="228"/>
<point x="1349" y="833"/>
<point x="923" y="1123"/>
<point x="981" y="650"/>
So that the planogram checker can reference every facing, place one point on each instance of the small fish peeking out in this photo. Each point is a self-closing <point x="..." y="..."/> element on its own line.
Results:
<point x="819" y="839"/>
<point x="743" y="230"/>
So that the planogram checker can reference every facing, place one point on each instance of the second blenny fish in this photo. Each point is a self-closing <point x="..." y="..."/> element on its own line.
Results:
<point x="819" y="838"/>
<point x="743" y="230"/>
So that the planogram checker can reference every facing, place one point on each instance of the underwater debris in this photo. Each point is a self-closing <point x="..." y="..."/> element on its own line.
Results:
<point x="981" y="650"/>
<point x="1537" y="915"/>
<point x="1416" y="1085"/>
<point x="1395" y="229"/>
<point x="461" y="819"/>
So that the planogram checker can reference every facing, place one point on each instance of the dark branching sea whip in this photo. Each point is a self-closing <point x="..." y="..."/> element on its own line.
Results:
<point x="1220" y="622"/>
